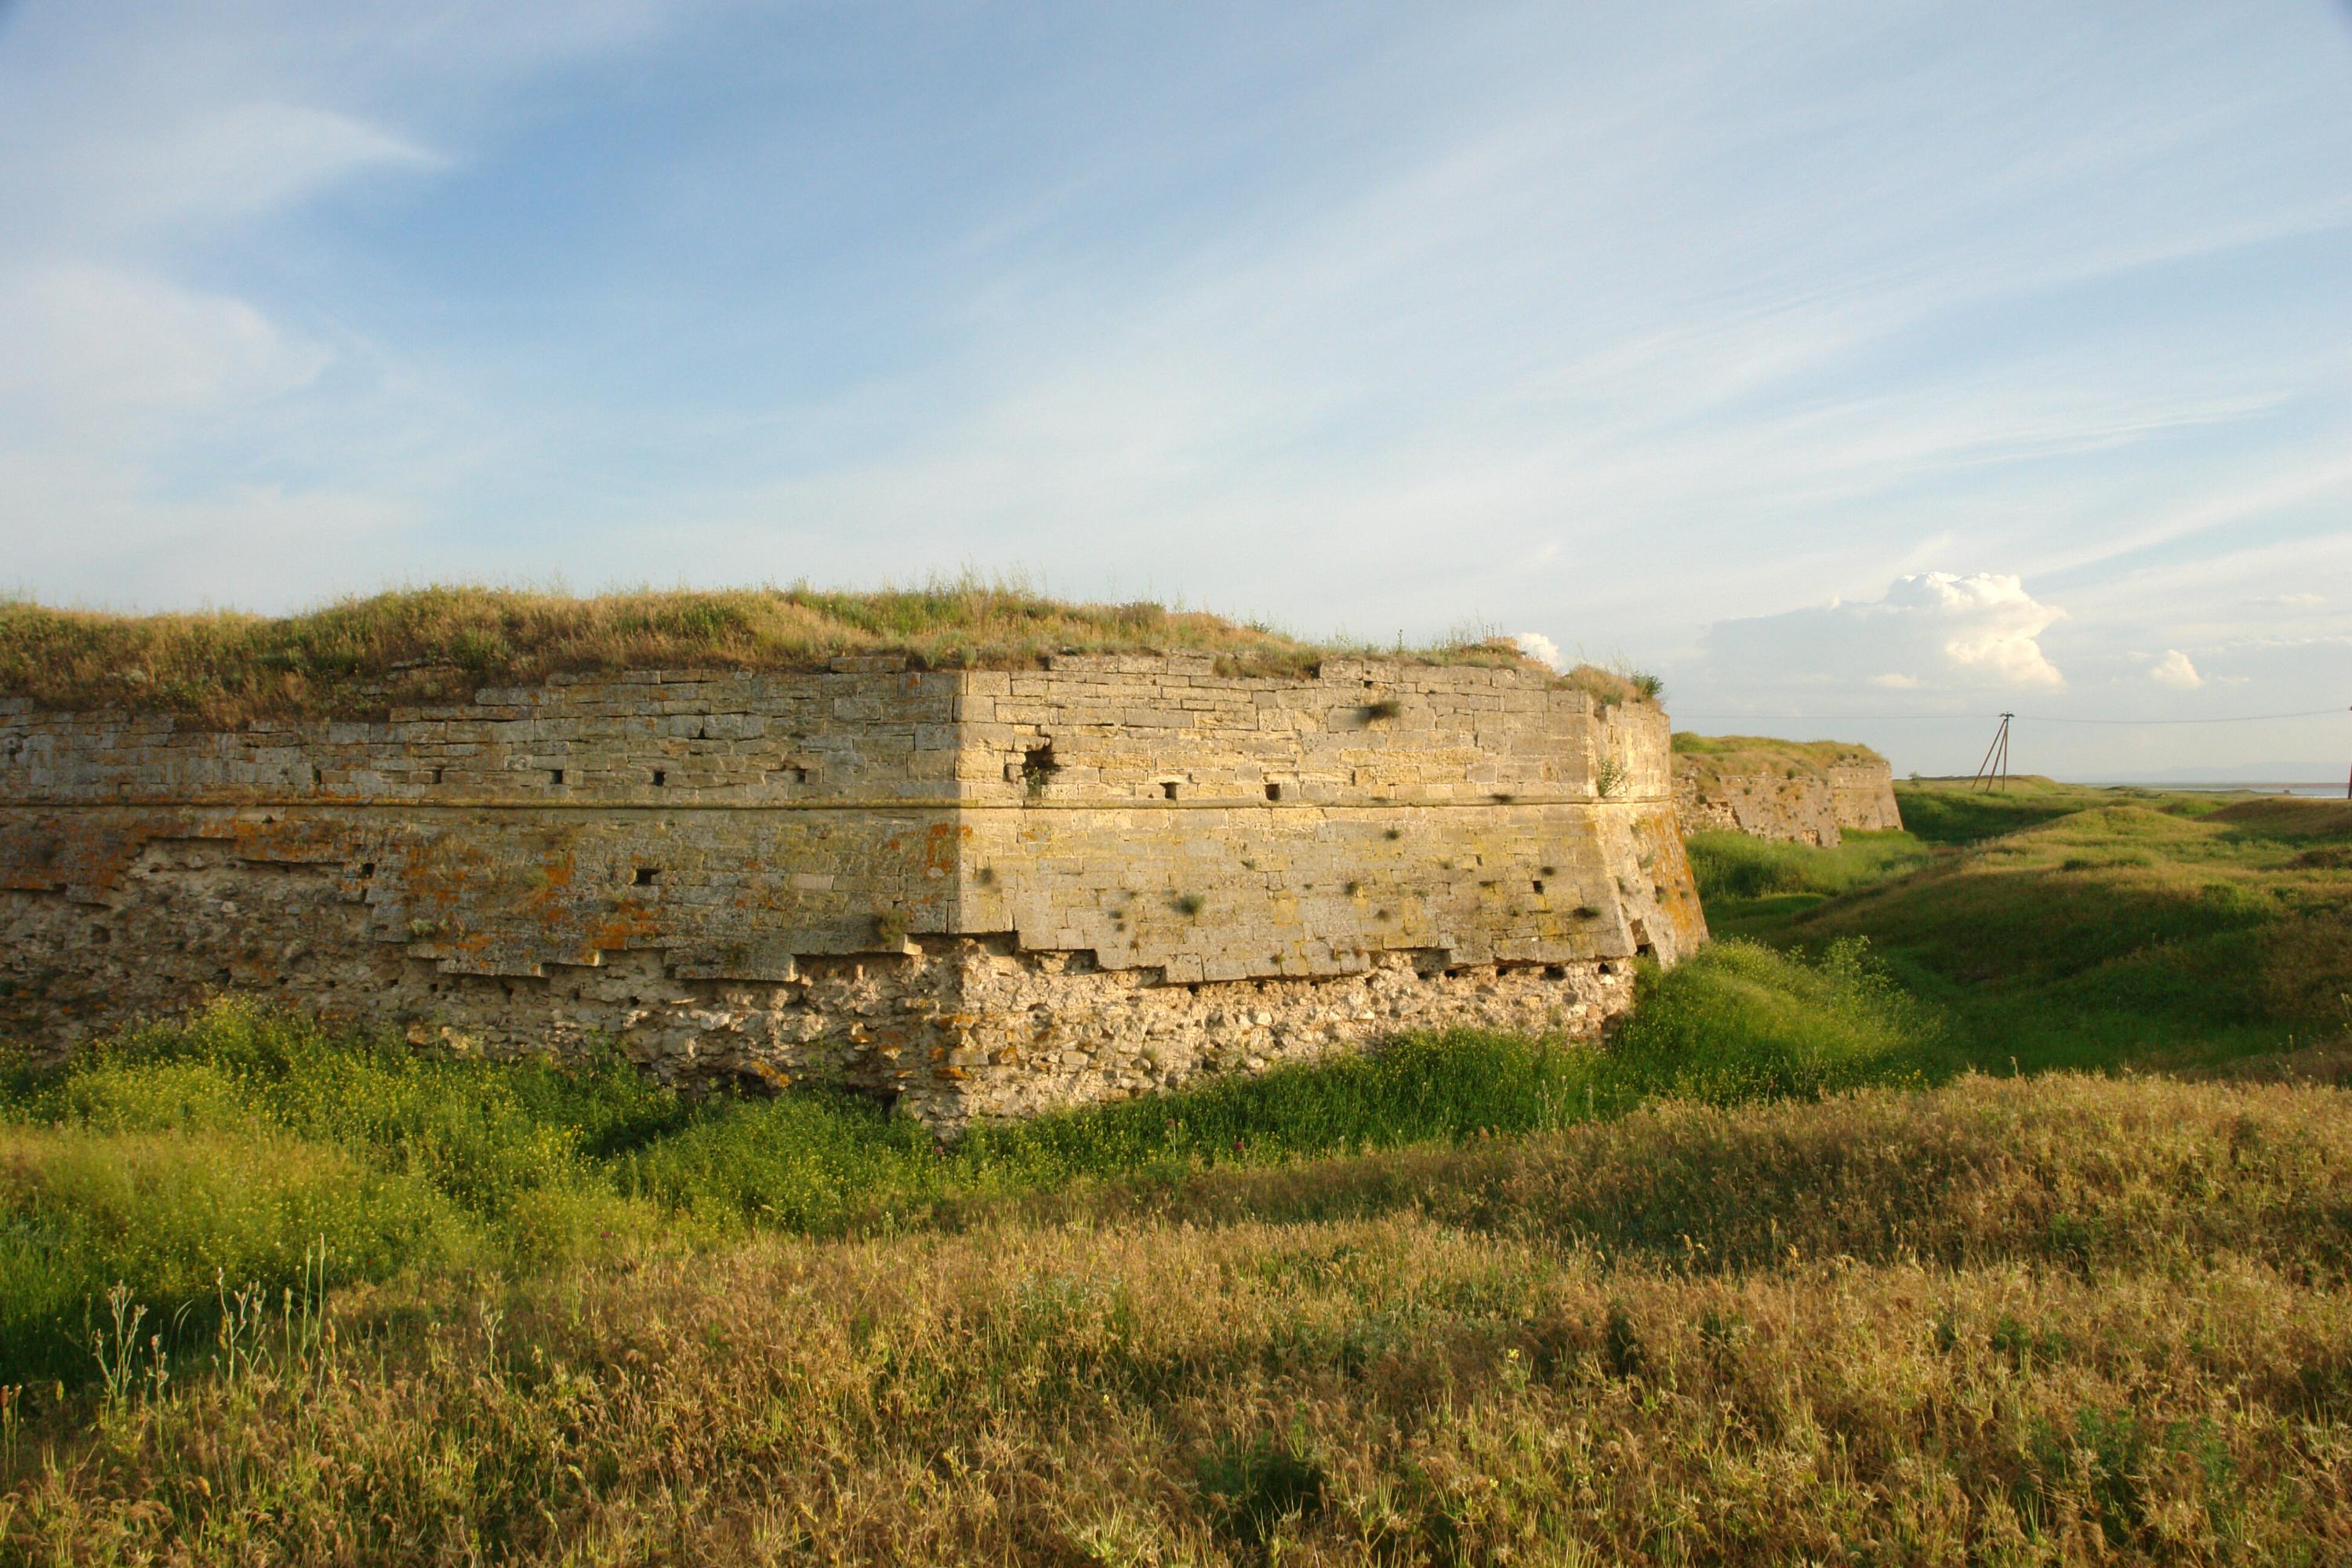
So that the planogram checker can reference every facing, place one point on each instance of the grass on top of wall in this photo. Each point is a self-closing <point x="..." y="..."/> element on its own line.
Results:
<point x="181" y="1161"/>
<point x="358" y="657"/>
<point x="1729" y="756"/>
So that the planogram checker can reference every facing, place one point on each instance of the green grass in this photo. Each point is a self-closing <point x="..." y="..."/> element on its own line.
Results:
<point x="1717" y="756"/>
<point x="1742" y="878"/>
<point x="177" y="1159"/>
<point x="2059" y="926"/>
<point x="2074" y="1319"/>
<point x="1952" y="811"/>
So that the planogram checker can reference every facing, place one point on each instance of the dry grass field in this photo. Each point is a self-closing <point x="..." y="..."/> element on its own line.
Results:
<point x="2071" y="1319"/>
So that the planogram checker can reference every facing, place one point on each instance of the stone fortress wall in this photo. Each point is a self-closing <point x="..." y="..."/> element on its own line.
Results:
<point x="1794" y="797"/>
<point x="1861" y="794"/>
<point x="974" y="892"/>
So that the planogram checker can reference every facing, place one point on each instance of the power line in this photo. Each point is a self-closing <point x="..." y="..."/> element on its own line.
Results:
<point x="2024" y="718"/>
<point x="1816" y="717"/>
<point x="1993" y="772"/>
<point x="2233" y="718"/>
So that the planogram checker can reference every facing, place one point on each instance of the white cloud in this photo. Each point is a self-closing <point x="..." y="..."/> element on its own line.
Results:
<point x="1935" y="631"/>
<point x="2175" y="671"/>
<point x="254" y="542"/>
<point x="93" y="342"/>
<point x="1987" y="623"/>
<point x="1537" y="646"/>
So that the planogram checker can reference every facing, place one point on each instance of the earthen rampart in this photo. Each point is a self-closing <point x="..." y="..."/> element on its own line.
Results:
<point x="974" y="891"/>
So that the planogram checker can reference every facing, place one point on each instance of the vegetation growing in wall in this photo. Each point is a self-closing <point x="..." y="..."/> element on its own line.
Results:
<point x="1608" y="686"/>
<point x="357" y="657"/>
<point x="1038" y="767"/>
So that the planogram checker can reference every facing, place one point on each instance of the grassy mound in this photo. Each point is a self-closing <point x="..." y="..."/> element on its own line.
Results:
<point x="1952" y="811"/>
<point x="357" y="657"/>
<point x="2096" y="929"/>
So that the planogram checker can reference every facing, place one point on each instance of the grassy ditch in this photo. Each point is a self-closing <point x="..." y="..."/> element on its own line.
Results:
<point x="1745" y="879"/>
<point x="2061" y="926"/>
<point x="180" y="1161"/>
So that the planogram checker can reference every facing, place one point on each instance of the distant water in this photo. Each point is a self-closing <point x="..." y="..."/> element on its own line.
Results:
<point x="2316" y="791"/>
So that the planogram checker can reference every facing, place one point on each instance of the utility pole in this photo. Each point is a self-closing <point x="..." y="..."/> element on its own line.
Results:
<point x="1993" y="772"/>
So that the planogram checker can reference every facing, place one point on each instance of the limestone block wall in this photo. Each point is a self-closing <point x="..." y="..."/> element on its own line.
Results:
<point x="1794" y="800"/>
<point x="1798" y="809"/>
<point x="978" y="892"/>
<point x="1862" y="793"/>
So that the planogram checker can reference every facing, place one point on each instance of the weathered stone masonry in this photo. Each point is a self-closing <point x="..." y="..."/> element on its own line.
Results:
<point x="978" y="892"/>
<point x="1798" y="802"/>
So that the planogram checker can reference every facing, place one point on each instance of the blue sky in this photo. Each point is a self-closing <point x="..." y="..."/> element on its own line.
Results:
<point x="1882" y="365"/>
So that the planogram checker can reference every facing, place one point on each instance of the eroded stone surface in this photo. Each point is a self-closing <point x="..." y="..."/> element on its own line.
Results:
<point x="1794" y="802"/>
<point x="977" y="892"/>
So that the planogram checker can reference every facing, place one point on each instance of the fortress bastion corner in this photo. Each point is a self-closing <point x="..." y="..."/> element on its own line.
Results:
<point x="975" y="892"/>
